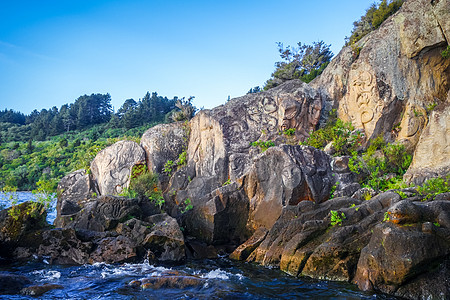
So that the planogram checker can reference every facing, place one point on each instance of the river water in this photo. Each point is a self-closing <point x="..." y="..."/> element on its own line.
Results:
<point x="220" y="279"/>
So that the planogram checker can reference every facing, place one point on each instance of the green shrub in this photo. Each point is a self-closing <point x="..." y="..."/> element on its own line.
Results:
<point x="263" y="145"/>
<point x="392" y="160"/>
<point x="345" y="139"/>
<point x="433" y="187"/>
<point x="187" y="206"/>
<point x="336" y="218"/>
<point x="375" y="15"/>
<point x="446" y="53"/>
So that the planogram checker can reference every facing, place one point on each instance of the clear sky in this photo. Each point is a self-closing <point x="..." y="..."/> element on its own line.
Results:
<point x="52" y="52"/>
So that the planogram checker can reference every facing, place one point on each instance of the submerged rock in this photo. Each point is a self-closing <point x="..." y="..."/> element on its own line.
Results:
<point x="11" y="284"/>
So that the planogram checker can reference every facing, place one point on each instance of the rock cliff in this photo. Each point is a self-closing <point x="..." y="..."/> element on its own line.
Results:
<point x="241" y="177"/>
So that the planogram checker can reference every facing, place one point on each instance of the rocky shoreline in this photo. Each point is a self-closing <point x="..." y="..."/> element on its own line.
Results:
<point x="236" y="183"/>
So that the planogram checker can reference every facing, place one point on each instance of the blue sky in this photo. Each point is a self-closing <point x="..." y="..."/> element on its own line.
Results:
<point x="51" y="52"/>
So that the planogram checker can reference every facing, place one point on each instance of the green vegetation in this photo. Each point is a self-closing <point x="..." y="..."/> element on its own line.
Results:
<point x="343" y="135"/>
<point x="336" y="218"/>
<point x="46" y="145"/>
<point x="374" y="17"/>
<point x="446" y="53"/>
<point x="304" y="62"/>
<point x="289" y="132"/>
<point x="144" y="185"/>
<point x="433" y="187"/>
<point x="262" y="145"/>
<point x="187" y="206"/>
<point x="386" y="217"/>
<point x="383" y="166"/>
<point x="227" y="182"/>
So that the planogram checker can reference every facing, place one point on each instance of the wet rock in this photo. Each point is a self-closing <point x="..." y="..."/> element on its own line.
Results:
<point x="39" y="290"/>
<point x="11" y="284"/>
<point x="61" y="246"/>
<point x="169" y="280"/>
<point x="114" y="250"/>
<point x="16" y="230"/>
<point x="245" y="249"/>
<point x="74" y="189"/>
<point x="112" y="166"/>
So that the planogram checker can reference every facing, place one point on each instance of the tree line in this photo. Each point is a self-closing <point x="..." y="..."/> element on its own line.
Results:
<point x="85" y="112"/>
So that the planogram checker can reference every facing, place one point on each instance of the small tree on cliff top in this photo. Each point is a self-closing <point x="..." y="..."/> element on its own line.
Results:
<point x="304" y="62"/>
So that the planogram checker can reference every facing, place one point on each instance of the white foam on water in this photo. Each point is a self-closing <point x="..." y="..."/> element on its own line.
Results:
<point x="131" y="270"/>
<point x="47" y="275"/>
<point x="217" y="274"/>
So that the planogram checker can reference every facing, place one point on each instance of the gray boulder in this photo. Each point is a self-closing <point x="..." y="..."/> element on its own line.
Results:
<point x="112" y="166"/>
<point x="74" y="189"/>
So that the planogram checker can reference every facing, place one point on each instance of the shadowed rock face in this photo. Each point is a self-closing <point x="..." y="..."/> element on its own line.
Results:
<point x="112" y="166"/>
<point x="73" y="189"/>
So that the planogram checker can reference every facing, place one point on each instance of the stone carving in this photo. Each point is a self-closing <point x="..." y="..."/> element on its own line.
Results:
<point x="433" y="148"/>
<point x="411" y="126"/>
<point x="74" y="189"/>
<point x="301" y="113"/>
<point x="112" y="166"/>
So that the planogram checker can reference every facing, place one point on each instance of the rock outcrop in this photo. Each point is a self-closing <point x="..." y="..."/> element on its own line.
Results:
<point x="385" y="243"/>
<point x="113" y="165"/>
<point x="163" y="143"/>
<point x="74" y="189"/>
<point x="391" y="79"/>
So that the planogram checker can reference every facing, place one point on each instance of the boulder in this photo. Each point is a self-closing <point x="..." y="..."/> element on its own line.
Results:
<point x="39" y="290"/>
<point x="396" y="254"/>
<point x="74" y="189"/>
<point x="112" y="167"/>
<point x="165" y="241"/>
<point x="305" y="175"/>
<point x="169" y="280"/>
<point x="110" y="250"/>
<point x="218" y="217"/>
<point x="11" y="284"/>
<point x="62" y="246"/>
<point x="102" y="214"/>
<point x="162" y="143"/>
<point x="22" y="228"/>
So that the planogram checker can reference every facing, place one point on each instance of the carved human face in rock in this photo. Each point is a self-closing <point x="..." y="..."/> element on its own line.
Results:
<point x="291" y="176"/>
<point x="291" y="111"/>
<point x="314" y="113"/>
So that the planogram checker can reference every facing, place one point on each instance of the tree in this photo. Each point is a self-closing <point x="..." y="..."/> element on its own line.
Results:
<point x="186" y="110"/>
<point x="304" y="62"/>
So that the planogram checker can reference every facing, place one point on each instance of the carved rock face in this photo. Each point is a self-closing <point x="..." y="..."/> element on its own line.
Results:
<point x="162" y="143"/>
<point x="431" y="156"/>
<point x="112" y="166"/>
<point x="399" y="69"/>
<point x="74" y="188"/>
